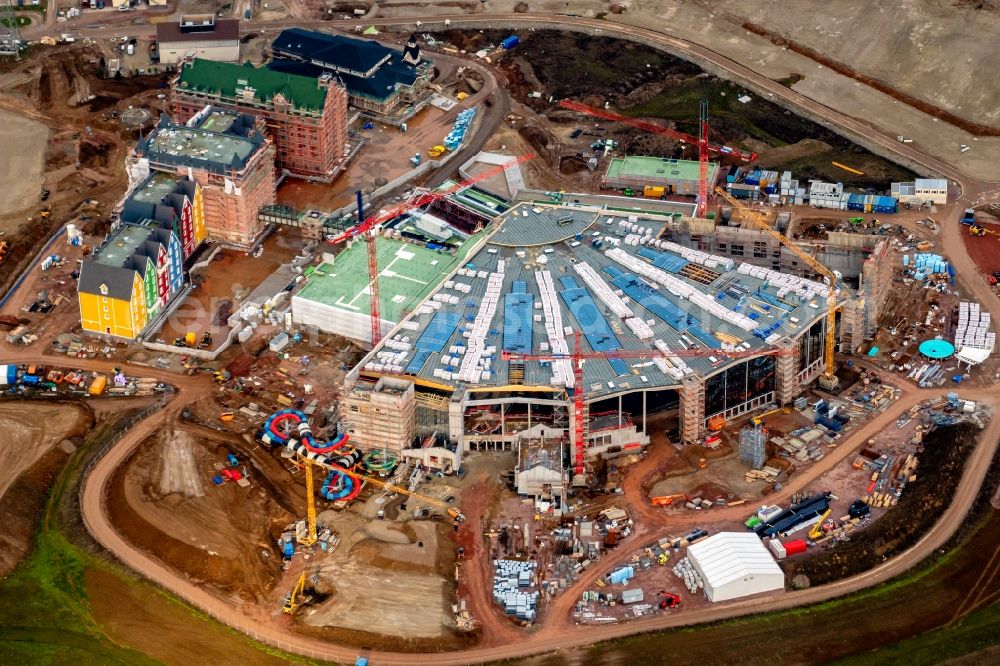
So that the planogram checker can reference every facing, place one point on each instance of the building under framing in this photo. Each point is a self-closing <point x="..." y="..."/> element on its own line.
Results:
<point x="545" y="272"/>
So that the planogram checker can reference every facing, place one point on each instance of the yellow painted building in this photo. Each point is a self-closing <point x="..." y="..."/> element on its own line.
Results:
<point x="117" y="307"/>
<point x="198" y="214"/>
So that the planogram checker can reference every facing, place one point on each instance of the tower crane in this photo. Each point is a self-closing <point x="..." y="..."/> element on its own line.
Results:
<point x="656" y="129"/>
<point x="578" y="357"/>
<point x="368" y="227"/>
<point x="453" y="511"/>
<point x="702" y="158"/>
<point x="829" y="379"/>
<point x="704" y="146"/>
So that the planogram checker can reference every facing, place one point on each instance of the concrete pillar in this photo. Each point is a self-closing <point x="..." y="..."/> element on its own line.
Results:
<point x="456" y="424"/>
<point x="786" y="383"/>
<point x="692" y="399"/>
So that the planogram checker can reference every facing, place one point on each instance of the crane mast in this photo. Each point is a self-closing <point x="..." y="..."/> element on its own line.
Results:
<point x="829" y="379"/>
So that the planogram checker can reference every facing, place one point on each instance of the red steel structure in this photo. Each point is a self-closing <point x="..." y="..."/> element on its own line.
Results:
<point x="578" y="356"/>
<point x="650" y="127"/>
<point x="702" y="158"/>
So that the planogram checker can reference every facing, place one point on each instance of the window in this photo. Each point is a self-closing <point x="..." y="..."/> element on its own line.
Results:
<point x="760" y="250"/>
<point x="736" y="250"/>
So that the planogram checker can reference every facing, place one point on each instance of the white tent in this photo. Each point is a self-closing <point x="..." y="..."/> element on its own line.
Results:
<point x="735" y="564"/>
<point x="972" y="355"/>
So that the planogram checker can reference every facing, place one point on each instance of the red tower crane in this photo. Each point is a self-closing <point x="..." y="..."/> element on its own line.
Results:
<point x="578" y="356"/>
<point x="702" y="157"/>
<point x="651" y="127"/>
<point x="368" y="227"/>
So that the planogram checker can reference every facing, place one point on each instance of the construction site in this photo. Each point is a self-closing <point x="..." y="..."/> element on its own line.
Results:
<point x="638" y="343"/>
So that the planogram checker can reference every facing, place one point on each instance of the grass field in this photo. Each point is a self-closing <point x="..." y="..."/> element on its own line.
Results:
<point x="407" y="273"/>
<point x="64" y="605"/>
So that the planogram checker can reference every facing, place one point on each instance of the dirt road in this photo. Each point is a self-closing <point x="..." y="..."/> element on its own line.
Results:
<point x="560" y="632"/>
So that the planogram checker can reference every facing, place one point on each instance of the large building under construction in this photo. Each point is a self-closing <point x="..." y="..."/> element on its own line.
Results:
<point x="664" y="329"/>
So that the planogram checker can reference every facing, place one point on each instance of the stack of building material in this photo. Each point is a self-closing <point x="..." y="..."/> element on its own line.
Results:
<point x="973" y="330"/>
<point x="562" y="370"/>
<point x="682" y="289"/>
<point x="477" y="363"/>
<point x="513" y="581"/>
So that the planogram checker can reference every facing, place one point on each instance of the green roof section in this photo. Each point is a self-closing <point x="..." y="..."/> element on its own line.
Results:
<point x="408" y="273"/>
<point x="659" y="168"/>
<point x="230" y="80"/>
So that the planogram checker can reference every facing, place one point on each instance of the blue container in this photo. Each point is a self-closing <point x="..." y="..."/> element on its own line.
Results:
<point x="510" y="42"/>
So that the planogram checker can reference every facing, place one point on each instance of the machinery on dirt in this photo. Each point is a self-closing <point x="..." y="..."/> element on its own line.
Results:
<point x="759" y="418"/>
<point x="4" y="251"/>
<point x="668" y="500"/>
<point x="976" y="230"/>
<point x="668" y="600"/>
<point x="716" y="423"/>
<point x="296" y="597"/>
<point x="817" y="530"/>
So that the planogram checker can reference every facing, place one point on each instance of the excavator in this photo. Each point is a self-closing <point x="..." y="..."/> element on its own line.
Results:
<point x="817" y="529"/>
<point x="976" y="230"/>
<point x="295" y="598"/>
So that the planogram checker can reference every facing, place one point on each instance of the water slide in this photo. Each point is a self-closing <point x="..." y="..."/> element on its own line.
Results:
<point x="290" y="428"/>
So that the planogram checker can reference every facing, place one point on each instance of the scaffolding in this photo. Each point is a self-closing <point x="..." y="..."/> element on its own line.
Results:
<point x="753" y="441"/>
<point x="786" y="370"/>
<point x="692" y="408"/>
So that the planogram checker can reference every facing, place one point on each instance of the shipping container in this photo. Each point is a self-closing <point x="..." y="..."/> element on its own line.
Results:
<point x="795" y="547"/>
<point x="98" y="385"/>
<point x="653" y="192"/>
<point x="8" y="375"/>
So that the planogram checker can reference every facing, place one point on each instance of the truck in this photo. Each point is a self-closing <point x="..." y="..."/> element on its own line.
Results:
<point x="969" y="217"/>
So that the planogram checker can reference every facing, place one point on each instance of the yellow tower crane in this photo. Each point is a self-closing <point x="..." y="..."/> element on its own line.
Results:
<point x="759" y="219"/>
<point x="311" y="537"/>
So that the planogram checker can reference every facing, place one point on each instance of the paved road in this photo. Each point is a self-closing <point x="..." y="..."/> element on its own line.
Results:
<point x="557" y="633"/>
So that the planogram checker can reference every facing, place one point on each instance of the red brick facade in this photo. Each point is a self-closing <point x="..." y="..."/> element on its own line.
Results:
<point x="309" y="145"/>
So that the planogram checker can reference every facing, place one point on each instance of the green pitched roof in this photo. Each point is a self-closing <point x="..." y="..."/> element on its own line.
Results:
<point x="229" y="80"/>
